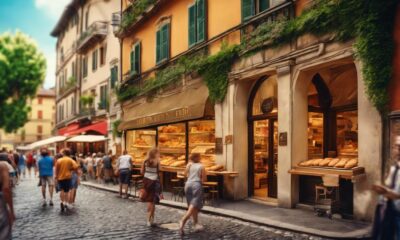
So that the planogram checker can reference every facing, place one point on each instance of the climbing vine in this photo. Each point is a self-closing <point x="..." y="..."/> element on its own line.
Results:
<point x="134" y="12"/>
<point x="115" y="131"/>
<point x="370" y="23"/>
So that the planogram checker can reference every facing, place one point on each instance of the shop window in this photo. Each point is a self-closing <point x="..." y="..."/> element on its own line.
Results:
<point x="172" y="145"/>
<point x="135" y="58"/>
<point x="197" y="22"/>
<point x="163" y="43"/>
<point x="347" y="134"/>
<point x="94" y="59"/>
<point x="40" y="114"/>
<point x="114" y="76"/>
<point x="139" y="142"/>
<point x="315" y="135"/>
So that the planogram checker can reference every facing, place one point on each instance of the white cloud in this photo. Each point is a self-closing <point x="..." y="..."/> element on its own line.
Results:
<point x="52" y="8"/>
<point x="51" y="69"/>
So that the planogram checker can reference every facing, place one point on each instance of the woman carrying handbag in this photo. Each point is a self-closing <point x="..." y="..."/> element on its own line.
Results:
<point x="152" y="190"/>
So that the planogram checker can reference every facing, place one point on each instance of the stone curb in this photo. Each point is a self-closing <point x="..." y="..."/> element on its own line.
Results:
<point x="357" y="234"/>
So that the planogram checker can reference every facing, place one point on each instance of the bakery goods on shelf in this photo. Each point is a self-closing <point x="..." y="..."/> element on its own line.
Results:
<point x="345" y="163"/>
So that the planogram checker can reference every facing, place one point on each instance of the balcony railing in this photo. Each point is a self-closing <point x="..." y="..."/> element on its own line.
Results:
<point x="116" y="22"/>
<point x="97" y="31"/>
<point x="70" y="84"/>
<point x="66" y="55"/>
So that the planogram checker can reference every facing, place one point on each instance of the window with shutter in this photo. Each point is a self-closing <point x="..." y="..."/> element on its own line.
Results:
<point x="192" y="25"/>
<point x="263" y="5"/>
<point x="137" y="57"/>
<point x="132" y="61"/>
<point x="163" y="43"/>
<point x="114" y="76"/>
<point x="158" y="46"/>
<point x="201" y="20"/>
<point x="247" y="9"/>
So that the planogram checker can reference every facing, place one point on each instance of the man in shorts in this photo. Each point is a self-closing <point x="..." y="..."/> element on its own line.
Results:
<point x="64" y="168"/>
<point x="124" y="165"/>
<point x="46" y="164"/>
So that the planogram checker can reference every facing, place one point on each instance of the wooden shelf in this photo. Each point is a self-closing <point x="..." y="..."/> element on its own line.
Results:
<point x="173" y="134"/>
<point x="354" y="174"/>
<point x="173" y="150"/>
<point x="138" y="146"/>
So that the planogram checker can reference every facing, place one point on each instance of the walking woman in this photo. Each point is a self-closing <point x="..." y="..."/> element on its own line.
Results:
<point x="196" y="175"/>
<point x="151" y="183"/>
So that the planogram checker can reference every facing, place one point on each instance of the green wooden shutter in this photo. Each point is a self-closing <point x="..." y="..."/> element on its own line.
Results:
<point x="165" y="42"/>
<point x="192" y="25"/>
<point x="158" y="46"/>
<point x="132" y="58"/>
<point x="263" y="5"/>
<point x="137" y="57"/>
<point x="201" y="20"/>
<point x="247" y="9"/>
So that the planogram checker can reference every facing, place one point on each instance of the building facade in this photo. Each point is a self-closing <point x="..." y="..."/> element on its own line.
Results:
<point x="292" y="115"/>
<point x="40" y="124"/>
<point x="87" y="70"/>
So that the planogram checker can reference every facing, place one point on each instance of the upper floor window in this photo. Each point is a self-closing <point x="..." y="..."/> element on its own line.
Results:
<point x="114" y="76"/>
<point x="40" y="114"/>
<point x="103" y="51"/>
<point x="40" y="100"/>
<point x="197" y="22"/>
<point x="85" y="67"/>
<point x="163" y="42"/>
<point x="135" y="58"/>
<point x="103" y="97"/>
<point x="253" y="7"/>
<point x="94" y="59"/>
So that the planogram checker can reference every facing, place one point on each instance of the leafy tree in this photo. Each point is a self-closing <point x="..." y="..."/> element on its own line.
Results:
<point x="22" y="71"/>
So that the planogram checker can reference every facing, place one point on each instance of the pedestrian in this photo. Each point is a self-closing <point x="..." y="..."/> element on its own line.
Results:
<point x="83" y="165"/>
<point x="35" y="162"/>
<point x="29" y="163"/>
<point x="196" y="175"/>
<point x="94" y="165"/>
<point x="46" y="164"/>
<point x="21" y="165"/>
<point x="114" y="172"/>
<point x="151" y="192"/>
<point x="90" y="168"/>
<point x="107" y="166"/>
<point x="99" y="167"/>
<point x="7" y="215"/>
<point x="64" y="168"/>
<point x="75" y="181"/>
<point x="16" y="162"/>
<point x="124" y="166"/>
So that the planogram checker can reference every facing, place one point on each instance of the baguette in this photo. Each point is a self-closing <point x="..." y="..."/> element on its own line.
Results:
<point x="325" y="162"/>
<point x="351" y="163"/>
<point x="342" y="163"/>
<point x="333" y="162"/>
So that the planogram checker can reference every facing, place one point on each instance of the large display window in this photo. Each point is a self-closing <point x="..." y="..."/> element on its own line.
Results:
<point x="172" y="145"/>
<point x="139" y="142"/>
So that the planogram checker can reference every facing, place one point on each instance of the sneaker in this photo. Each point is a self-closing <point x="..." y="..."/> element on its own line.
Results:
<point x="51" y="203"/>
<point x="148" y="223"/>
<point x="44" y="204"/>
<point x="62" y="207"/>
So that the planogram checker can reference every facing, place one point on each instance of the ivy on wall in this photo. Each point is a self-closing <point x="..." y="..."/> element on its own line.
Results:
<point x="115" y="131"/>
<point x="134" y="12"/>
<point x="370" y="23"/>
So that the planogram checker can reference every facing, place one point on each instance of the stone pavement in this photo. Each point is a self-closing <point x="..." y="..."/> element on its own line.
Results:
<point x="101" y="215"/>
<point x="298" y="220"/>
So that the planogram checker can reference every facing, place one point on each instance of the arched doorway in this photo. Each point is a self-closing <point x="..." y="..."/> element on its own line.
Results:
<point x="263" y="139"/>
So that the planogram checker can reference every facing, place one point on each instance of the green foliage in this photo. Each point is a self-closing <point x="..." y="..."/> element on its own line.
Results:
<point x="71" y="82"/>
<point x="124" y="93"/>
<point x="87" y="100"/>
<point x="115" y="131"/>
<point x="134" y="12"/>
<point x="22" y="71"/>
<point x="214" y="70"/>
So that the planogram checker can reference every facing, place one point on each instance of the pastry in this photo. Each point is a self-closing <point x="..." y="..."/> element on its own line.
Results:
<point x="178" y="164"/>
<point x="333" y="162"/>
<point x="342" y="162"/>
<point x="316" y="162"/>
<point x="351" y="163"/>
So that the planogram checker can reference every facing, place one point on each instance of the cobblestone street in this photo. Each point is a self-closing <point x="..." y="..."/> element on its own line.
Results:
<point x="101" y="215"/>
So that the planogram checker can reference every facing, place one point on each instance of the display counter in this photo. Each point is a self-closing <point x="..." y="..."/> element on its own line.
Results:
<point x="354" y="174"/>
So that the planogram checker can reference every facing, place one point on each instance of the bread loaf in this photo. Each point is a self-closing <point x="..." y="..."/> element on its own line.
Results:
<point x="351" y="163"/>
<point x="316" y="162"/>
<point x="342" y="162"/>
<point x="325" y="162"/>
<point x="333" y="162"/>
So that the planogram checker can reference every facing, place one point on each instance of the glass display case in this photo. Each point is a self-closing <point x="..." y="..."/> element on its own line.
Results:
<point x="139" y="142"/>
<point x="172" y="145"/>
<point x="202" y="141"/>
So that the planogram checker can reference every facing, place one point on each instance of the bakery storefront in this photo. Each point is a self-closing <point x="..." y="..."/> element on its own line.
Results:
<point x="327" y="177"/>
<point x="178" y="124"/>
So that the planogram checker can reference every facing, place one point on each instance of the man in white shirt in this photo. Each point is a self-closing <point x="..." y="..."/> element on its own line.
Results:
<point x="124" y="166"/>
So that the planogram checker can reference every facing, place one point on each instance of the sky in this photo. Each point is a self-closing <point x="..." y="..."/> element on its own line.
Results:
<point x="35" y="18"/>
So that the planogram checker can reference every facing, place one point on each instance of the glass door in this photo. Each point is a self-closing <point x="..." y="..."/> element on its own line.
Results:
<point x="261" y="156"/>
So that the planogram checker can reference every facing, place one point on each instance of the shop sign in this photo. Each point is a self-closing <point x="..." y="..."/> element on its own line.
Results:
<point x="229" y="139"/>
<point x="283" y="139"/>
<point x="219" y="147"/>
<point x="175" y="115"/>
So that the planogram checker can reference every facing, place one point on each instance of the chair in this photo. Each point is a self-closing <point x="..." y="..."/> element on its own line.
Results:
<point x="177" y="189"/>
<point x="211" y="193"/>
<point x="137" y="182"/>
<point x="327" y="195"/>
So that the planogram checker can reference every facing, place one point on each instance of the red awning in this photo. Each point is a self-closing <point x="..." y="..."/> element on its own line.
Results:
<point x="100" y="127"/>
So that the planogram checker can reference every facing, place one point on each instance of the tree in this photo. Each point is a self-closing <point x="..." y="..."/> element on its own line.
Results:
<point x="22" y="71"/>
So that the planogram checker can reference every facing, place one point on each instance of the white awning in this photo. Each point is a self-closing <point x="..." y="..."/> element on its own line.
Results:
<point x="24" y="148"/>
<point x="47" y="141"/>
<point x="88" y="138"/>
